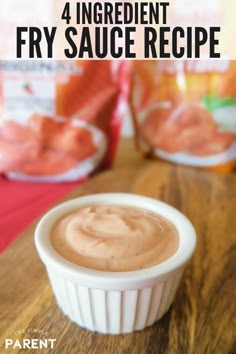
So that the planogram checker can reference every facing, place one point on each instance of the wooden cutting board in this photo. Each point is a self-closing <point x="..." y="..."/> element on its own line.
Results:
<point x="202" y="319"/>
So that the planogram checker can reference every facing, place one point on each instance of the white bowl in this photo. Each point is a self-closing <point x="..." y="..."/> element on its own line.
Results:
<point x="115" y="302"/>
<point x="82" y="169"/>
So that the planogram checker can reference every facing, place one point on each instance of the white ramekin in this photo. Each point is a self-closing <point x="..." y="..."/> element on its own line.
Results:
<point x="115" y="302"/>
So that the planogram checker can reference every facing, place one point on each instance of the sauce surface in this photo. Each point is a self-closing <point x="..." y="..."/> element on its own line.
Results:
<point x="114" y="238"/>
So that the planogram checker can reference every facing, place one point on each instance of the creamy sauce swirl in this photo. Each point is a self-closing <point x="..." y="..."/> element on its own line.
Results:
<point x="114" y="238"/>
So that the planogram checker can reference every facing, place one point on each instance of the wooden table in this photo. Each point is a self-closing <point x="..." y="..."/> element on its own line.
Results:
<point x="203" y="316"/>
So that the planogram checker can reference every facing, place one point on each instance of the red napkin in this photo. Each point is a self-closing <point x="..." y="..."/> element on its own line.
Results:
<point x="21" y="203"/>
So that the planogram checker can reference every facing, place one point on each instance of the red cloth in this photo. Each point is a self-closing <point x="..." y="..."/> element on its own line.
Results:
<point x="21" y="203"/>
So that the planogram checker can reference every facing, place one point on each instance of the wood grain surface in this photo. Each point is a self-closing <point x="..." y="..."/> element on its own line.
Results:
<point x="202" y="319"/>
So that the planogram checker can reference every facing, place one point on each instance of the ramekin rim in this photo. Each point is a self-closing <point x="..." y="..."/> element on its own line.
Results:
<point x="50" y="257"/>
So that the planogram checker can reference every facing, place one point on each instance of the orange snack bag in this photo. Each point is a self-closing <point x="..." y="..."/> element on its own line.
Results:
<point x="185" y="111"/>
<point x="60" y="120"/>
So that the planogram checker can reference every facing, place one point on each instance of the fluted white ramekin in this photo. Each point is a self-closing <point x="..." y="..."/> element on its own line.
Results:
<point x="115" y="302"/>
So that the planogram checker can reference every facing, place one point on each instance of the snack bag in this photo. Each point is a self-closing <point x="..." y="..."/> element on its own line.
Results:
<point x="60" y="121"/>
<point x="185" y="111"/>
